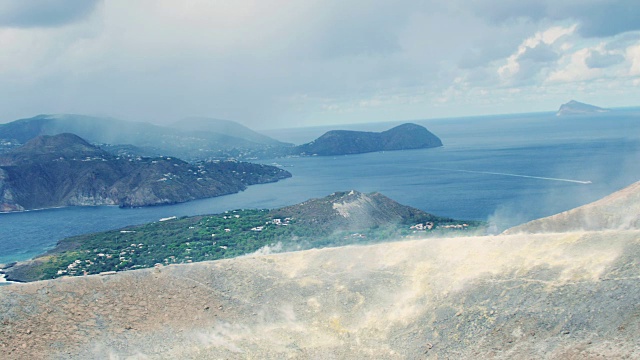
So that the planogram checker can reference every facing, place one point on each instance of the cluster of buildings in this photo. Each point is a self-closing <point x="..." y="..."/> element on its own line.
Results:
<point x="422" y="227"/>
<point x="277" y="222"/>
<point x="429" y="226"/>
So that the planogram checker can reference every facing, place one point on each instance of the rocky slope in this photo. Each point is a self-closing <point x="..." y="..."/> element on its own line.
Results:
<point x="353" y="210"/>
<point x="578" y="108"/>
<point x="344" y="142"/>
<point x="227" y="127"/>
<point x="571" y="295"/>
<point x="65" y="170"/>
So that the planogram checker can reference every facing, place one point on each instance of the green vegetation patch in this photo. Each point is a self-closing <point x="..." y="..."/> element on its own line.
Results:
<point x="212" y="237"/>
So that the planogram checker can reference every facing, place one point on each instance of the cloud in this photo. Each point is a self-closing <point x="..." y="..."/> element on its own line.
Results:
<point x="607" y="18"/>
<point x="623" y="41"/>
<point x="44" y="13"/>
<point x="534" y="55"/>
<point x="539" y="53"/>
<point x="277" y="63"/>
<point x="574" y="68"/>
<point x="500" y="11"/>
<point x="597" y="18"/>
<point x="633" y="55"/>
<point x="599" y="60"/>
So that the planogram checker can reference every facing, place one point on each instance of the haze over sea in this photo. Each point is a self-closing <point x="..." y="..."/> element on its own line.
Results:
<point x="505" y="169"/>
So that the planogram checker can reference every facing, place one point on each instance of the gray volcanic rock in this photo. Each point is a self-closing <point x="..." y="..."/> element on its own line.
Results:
<point x="577" y="108"/>
<point x="618" y="211"/>
<point x="344" y="142"/>
<point x="353" y="210"/>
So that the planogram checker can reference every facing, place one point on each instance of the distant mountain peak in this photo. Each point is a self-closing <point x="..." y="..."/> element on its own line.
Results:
<point x="353" y="210"/>
<point x="574" y="107"/>
<point x="225" y="127"/>
<point x="199" y="139"/>
<point x="57" y="142"/>
<point x="47" y="147"/>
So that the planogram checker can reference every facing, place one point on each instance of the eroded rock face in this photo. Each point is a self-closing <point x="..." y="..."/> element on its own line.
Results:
<point x="572" y="295"/>
<point x="7" y="199"/>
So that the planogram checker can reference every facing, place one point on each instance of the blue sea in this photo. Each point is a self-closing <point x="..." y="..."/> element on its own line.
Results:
<point x="505" y="169"/>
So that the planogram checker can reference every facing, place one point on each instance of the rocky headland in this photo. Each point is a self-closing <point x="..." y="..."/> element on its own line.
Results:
<point x="65" y="170"/>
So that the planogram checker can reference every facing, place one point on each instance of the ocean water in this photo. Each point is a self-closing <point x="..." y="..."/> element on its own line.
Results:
<point x="504" y="169"/>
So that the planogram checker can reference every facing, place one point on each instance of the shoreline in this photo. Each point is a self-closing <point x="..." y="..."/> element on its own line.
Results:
<point x="3" y="280"/>
<point x="51" y="208"/>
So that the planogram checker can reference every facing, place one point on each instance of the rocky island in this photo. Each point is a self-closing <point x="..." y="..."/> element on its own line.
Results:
<point x="65" y="170"/>
<point x="577" y="108"/>
<point x="345" y="142"/>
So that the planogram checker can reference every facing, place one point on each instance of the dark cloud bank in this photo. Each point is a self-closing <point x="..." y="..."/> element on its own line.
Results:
<point x="43" y="13"/>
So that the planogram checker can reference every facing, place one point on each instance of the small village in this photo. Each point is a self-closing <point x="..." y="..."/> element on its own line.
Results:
<point x="431" y="226"/>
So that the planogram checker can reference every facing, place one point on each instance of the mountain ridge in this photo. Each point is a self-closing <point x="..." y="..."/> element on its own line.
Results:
<point x="184" y="143"/>
<point x="226" y="127"/>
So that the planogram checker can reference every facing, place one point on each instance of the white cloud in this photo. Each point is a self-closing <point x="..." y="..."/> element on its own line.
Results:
<point x="280" y="62"/>
<point x="574" y="68"/>
<point x="541" y="47"/>
<point x="633" y="57"/>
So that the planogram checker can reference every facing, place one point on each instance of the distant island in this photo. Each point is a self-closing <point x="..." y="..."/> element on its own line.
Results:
<point x="344" y="142"/>
<point x="65" y="170"/>
<point x="342" y="218"/>
<point x="578" y="108"/>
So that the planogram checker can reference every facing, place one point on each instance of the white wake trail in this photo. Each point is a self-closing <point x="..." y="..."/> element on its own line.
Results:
<point x="514" y="175"/>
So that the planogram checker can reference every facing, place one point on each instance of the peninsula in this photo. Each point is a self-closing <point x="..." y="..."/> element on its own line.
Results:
<point x="65" y="170"/>
<point x="341" y="218"/>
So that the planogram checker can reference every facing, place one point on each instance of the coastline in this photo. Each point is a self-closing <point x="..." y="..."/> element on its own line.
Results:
<point x="3" y="280"/>
<point x="51" y="208"/>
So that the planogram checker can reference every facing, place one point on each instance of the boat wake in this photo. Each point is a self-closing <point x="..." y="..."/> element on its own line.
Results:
<point x="514" y="175"/>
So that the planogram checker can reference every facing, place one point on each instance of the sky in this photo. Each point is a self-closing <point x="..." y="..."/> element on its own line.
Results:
<point x="276" y="64"/>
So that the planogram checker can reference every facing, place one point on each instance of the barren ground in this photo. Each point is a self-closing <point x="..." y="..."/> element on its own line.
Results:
<point x="572" y="295"/>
